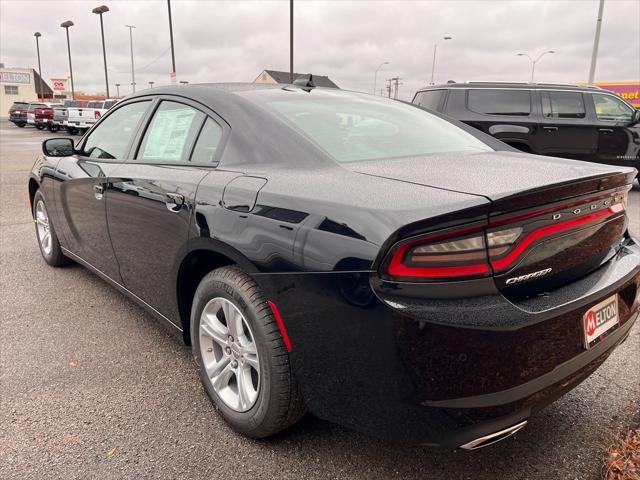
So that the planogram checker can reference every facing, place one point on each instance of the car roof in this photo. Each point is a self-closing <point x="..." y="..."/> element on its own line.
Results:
<point x="513" y="85"/>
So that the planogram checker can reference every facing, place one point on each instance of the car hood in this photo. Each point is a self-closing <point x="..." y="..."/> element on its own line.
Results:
<point x="494" y="175"/>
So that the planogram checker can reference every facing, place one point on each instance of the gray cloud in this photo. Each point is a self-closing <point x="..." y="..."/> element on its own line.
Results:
<point x="235" y="40"/>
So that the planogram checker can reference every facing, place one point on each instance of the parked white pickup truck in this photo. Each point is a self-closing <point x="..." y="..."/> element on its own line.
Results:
<point x="80" y="119"/>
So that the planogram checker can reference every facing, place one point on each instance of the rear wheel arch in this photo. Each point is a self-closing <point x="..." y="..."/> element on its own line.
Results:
<point x="197" y="263"/>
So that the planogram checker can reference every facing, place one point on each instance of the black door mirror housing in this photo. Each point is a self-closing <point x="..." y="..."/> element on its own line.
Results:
<point x="58" y="147"/>
<point x="635" y="118"/>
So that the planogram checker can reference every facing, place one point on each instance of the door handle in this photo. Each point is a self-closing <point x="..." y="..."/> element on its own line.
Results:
<point x="605" y="130"/>
<point x="551" y="129"/>
<point x="174" y="202"/>
<point x="98" y="191"/>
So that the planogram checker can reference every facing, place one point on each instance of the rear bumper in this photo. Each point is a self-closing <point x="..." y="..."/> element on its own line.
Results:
<point x="76" y="124"/>
<point x="443" y="371"/>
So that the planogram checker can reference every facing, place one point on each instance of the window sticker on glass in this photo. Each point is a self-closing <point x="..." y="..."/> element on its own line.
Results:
<point x="170" y="133"/>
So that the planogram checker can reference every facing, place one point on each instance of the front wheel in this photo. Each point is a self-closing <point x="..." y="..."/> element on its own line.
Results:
<point x="39" y="126"/>
<point x="47" y="238"/>
<point x="241" y="356"/>
<point x="20" y="124"/>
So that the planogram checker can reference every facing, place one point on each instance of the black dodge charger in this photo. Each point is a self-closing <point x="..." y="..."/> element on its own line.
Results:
<point x="378" y="264"/>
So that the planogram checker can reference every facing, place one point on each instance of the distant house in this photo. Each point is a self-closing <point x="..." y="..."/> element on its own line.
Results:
<point x="275" y="77"/>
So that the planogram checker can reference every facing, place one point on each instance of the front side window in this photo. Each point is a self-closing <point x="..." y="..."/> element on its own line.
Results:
<point x="515" y="103"/>
<point x="351" y="127"/>
<point x="430" y="99"/>
<point x="111" y="137"/>
<point x="207" y="144"/>
<point x="611" y="109"/>
<point x="562" y="105"/>
<point x="171" y="134"/>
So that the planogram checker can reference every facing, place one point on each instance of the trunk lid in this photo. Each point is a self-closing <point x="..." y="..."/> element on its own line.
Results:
<point x="564" y="218"/>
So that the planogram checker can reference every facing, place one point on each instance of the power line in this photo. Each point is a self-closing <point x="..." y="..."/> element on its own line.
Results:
<point x="146" y="66"/>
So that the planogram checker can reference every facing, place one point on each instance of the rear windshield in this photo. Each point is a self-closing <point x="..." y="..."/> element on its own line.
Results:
<point x="94" y="105"/>
<point x="109" y="103"/>
<point x="353" y="127"/>
<point x="19" y="105"/>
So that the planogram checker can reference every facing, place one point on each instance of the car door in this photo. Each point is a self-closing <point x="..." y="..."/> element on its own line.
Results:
<point x="565" y="129"/>
<point x="81" y="196"/>
<point x="152" y="197"/>
<point x="618" y="139"/>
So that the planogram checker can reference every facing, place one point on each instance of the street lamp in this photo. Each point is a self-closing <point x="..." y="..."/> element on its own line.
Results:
<point x="133" y="75"/>
<point x="151" y="84"/>
<point x="375" y="76"/>
<point x="66" y="26"/>
<point x="38" y="35"/>
<point x="118" y="90"/>
<point x="433" y="64"/>
<point x="533" y="62"/>
<point x="99" y="11"/>
<point x="173" y="54"/>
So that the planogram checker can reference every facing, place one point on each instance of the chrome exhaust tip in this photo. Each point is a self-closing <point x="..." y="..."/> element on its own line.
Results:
<point x="493" y="437"/>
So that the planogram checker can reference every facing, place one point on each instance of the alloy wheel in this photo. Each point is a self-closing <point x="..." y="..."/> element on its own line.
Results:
<point x="229" y="354"/>
<point x="44" y="231"/>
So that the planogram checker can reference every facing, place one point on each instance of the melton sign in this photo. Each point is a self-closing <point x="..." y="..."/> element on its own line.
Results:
<point x="15" y="77"/>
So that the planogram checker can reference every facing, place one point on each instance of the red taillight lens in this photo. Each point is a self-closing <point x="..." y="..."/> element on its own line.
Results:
<point x="452" y="255"/>
<point x="96" y="114"/>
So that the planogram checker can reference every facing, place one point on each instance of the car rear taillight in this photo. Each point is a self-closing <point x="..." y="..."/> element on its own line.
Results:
<point x="480" y="251"/>
<point x="445" y="256"/>
<point x="96" y="114"/>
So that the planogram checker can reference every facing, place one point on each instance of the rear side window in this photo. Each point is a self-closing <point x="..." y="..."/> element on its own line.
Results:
<point x="171" y="134"/>
<point x="207" y="144"/>
<point x="515" y="103"/>
<point x="562" y="105"/>
<point x="109" y="104"/>
<point x="110" y="138"/>
<point x="94" y="105"/>
<point x="431" y="99"/>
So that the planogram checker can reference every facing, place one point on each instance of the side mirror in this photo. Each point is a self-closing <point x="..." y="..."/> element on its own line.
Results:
<point x="58" y="147"/>
<point x="635" y="118"/>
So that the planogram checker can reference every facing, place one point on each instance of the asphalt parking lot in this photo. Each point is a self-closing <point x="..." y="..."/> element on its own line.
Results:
<point x="92" y="387"/>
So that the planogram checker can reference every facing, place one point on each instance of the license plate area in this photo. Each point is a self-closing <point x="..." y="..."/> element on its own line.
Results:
<point x="599" y="321"/>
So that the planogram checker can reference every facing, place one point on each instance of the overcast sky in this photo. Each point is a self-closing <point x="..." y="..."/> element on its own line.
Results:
<point x="218" y="41"/>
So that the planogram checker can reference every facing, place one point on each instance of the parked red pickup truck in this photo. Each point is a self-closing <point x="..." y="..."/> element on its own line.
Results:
<point x="40" y="115"/>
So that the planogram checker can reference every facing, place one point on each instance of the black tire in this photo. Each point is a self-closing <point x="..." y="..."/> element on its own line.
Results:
<point x="21" y="125"/>
<point x="39" y="126"/>
<point x="72" y="130"/>
<point x="55" y="257"/>
<point x="279" y="403"/>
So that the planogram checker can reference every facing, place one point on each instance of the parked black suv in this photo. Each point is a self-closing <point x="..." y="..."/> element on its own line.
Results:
<point x="585" y="123"/>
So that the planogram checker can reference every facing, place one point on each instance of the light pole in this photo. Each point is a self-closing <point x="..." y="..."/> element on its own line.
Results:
<point x="433" y="64"/>
<point x="290" y="41"/>
<point x="533" y="62"/>
<point x="375" y="76"/>
<point x="133" y="75"/>
<point x="66" y="26"/>
<point x="173" y="55"/>
<point x="38" y="35"/>
<point x="596" y="44"/>
<point x="151" y="84"/>
<point x="118" y="90"/>
<point x="99" y="11"/>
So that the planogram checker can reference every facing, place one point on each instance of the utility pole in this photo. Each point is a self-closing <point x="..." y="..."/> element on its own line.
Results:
<point x="388" y="87"/>
<point x="38" y="35"/>
<point x="133" y="75"/>
<point x="173" y="53"/>
<point x="290" y="41"/>
<point x="393" y="85"/>
<point x="596" y="44"/>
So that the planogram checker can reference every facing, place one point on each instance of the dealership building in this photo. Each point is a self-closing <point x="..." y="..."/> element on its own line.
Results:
<point x="20" y="85"/>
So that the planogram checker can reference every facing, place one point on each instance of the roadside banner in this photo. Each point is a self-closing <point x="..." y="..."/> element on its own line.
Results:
<point x="630" y="91"/>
